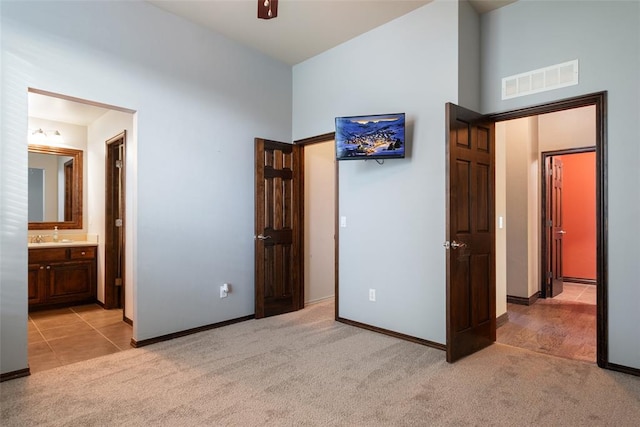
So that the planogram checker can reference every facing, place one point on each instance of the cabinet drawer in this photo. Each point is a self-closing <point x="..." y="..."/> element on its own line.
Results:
<point x="88" y="252"/>
<point x="46" y="255"/>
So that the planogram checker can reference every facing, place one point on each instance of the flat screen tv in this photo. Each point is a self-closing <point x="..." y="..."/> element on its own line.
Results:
<point x="370" y="137"/>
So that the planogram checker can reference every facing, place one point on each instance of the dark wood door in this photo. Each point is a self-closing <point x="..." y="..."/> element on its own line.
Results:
<point x="471" y="287"/>
<point x="279" y="276"/>
<point x="114" y="245"/>
<point x="555" y="228"/>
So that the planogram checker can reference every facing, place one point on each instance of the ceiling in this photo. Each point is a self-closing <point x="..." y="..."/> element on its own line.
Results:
<point x="63" y="110"/>
<point x="303" y="29"/>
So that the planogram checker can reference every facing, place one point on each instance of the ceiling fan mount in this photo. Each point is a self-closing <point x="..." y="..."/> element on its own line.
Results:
<point x="267" y="9"/>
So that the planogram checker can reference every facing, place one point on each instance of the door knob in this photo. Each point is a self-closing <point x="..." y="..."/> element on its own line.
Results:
<point x="261" y="237"/>
<point x="454" y="245"/>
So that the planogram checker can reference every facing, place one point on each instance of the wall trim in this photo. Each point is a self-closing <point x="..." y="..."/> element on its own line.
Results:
<point x="168" y="337"/>
<point x="15" y="374"/>
<point x="502" y="319"/>
<point x="126" y="320"/>
<point x="392" y="334"/>
<point x="624" y="369"/>
<point x="523" y="300"/>
<point x="582" y="280"/>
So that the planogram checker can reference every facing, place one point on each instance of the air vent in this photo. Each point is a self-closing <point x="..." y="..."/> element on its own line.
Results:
<point x="540" y="80"/>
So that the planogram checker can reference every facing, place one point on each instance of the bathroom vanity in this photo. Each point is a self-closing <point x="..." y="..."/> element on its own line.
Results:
<point x="62" y="274"/>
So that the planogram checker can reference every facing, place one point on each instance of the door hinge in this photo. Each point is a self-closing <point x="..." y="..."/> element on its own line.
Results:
<point x="118" y="223"/>
<point x="119" y="164"/>
<point x="549" y="223"/>
<point x="549" y="275"/>
<point x="550" y="172"/>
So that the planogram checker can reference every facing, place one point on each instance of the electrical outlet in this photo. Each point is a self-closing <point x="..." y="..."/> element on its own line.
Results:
<point x="372" y="295"/>
<point x="224" y="290"/>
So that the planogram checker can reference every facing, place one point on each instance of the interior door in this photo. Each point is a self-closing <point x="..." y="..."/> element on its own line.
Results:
<point x="279" y="271"/>
<point x="471" y="285"/>
<point x="555" y="283"/>
<point x="114" y="222"/>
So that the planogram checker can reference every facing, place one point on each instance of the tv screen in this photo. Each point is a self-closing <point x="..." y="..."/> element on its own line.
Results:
<point x="370" y="137"/>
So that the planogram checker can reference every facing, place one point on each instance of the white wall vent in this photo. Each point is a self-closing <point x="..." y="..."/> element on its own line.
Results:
<point x="540" y="80"/>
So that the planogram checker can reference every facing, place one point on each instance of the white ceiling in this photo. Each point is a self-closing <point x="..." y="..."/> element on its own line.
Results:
<point x="303" y="29"/>
<point x="63" y="110"/>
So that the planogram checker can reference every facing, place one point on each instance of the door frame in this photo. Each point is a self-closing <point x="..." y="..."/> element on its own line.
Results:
<point x="544" y="237"/>
<point x="599" y="100"/>
<point x="331" y="136"/>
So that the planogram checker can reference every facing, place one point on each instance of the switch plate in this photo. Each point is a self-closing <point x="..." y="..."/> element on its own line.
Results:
<point x="372" y="295"/>
<point x="224" y="291"/>
<point x="343" y="221"/>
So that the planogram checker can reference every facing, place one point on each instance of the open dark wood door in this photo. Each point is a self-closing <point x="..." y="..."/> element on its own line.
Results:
<point x="114" y="242"/>
<point x="555" y="236"/>
<point x="68" y="190"/>
<point x="279" y="271"/>
<point x="471" y="284"/>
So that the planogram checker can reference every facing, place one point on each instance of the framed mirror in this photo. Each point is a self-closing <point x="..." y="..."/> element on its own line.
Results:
<point x="55" y="188"/>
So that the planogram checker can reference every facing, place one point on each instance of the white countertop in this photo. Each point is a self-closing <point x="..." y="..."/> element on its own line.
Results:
<point x="64" y="243"/>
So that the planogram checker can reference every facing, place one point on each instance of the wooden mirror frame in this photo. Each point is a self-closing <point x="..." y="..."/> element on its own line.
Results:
<point x="76" y="214"/>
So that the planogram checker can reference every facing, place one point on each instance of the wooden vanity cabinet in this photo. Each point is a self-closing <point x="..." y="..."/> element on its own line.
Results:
<point x="62" y="276"/>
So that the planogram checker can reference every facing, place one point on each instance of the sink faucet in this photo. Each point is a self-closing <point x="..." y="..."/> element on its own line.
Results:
<point x="37" y="238"/>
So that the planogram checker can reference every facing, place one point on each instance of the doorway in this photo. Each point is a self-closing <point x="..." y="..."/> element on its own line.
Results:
<point x="568" y="207"/>
<point x="286" y="238"/>
<point x="570" y="320"/>
<point x="468" y="131"/>
<point x="319" y="220"/>
<point x="72" y="333"/>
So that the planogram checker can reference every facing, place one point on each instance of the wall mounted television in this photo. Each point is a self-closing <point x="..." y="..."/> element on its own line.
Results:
<point x="378" y="136"/>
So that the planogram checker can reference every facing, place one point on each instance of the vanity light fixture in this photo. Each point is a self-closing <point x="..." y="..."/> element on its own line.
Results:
<point x="39" y="136"/>
<point x="267" y="9"/>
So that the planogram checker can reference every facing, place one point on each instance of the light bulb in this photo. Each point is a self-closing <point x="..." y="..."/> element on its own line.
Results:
<point x="270" y="14"/>
<point x="266" y="3"/>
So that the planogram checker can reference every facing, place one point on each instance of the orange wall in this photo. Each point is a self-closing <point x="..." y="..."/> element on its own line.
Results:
<point x="579" y="215"/>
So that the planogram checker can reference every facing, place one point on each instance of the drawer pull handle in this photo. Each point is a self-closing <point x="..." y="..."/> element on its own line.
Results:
<point x="82" y="253"/>
<point x="48" y="267"/>
<point x="41" y="267"/>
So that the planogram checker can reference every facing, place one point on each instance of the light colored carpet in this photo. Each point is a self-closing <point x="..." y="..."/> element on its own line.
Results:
<point x="305" y="369"/>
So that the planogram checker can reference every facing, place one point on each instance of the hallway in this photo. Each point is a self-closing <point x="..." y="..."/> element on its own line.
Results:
<point x="564" y="326"/>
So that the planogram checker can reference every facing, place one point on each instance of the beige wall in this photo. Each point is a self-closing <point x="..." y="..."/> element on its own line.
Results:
<point x="319" y="221"/>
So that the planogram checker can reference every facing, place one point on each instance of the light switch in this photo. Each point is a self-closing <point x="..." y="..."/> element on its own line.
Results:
<point x="343" y="221"/>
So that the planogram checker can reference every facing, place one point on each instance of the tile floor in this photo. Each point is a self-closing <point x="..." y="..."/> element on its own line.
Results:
<point x="68" y="335"/>
<point x="563" y="326"/>
<point x="577" y="292"/>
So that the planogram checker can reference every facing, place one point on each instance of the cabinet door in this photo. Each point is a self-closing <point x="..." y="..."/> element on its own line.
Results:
<point x="36" y="283"/>
<point x="71" y="281"/>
